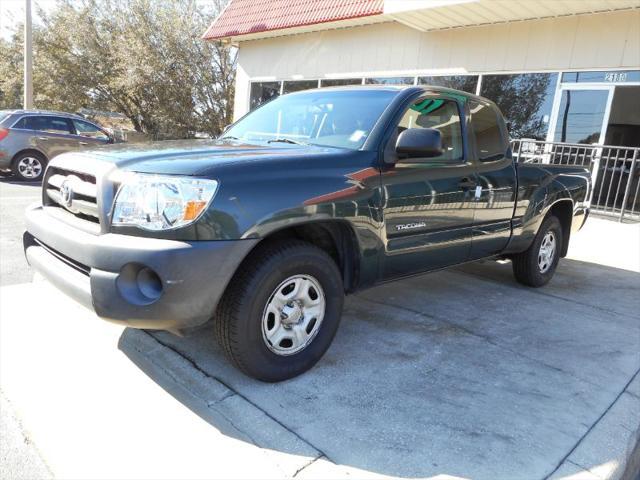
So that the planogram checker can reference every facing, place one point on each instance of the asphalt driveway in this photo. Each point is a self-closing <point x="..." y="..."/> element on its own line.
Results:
<point x="461" y="373"/>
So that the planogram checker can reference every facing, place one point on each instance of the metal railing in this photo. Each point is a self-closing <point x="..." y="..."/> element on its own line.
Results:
<point x="614" y="171"/>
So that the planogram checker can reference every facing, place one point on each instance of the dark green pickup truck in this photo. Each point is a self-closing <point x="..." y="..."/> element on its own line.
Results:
<point x="311" y="196"/>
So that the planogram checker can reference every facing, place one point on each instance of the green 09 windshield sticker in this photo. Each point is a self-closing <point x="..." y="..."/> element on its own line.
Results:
<point x="427" y="106"/>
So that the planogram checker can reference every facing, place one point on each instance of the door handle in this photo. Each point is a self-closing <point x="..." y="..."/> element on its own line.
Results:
<point x="83" y="143"/>
<point x="43" y="138"/>
<point x="466" y="183"/>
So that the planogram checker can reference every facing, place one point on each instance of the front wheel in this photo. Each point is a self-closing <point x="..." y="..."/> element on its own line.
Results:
<point x="536" y="266"/>
<point x="281" y="311"/>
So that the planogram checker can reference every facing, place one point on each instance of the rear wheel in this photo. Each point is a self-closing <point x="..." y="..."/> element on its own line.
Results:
<point x="29" y="166"/>
<point x="281" y="311"/>
<point x="536" y="266"/>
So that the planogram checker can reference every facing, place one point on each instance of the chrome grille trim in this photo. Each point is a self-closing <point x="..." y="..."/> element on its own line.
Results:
<point x="83" y="200"/>
<point x="97" y="189"/>
<point x="80" y="187"/>
<point x="77" y="206"/>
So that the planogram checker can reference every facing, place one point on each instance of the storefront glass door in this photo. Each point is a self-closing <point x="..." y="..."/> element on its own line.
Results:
<point x="580" y="114"/>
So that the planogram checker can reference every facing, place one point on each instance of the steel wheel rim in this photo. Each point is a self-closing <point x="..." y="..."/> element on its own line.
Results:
<point x="293" y="315"/>
<point x="30" y="167"/>
<point x="547" y="252"/>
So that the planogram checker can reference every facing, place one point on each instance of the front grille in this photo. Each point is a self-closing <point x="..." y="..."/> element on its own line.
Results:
<point x="73" y="191"/>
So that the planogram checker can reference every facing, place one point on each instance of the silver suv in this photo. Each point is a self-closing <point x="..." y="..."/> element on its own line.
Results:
<point x="30" y="138"/>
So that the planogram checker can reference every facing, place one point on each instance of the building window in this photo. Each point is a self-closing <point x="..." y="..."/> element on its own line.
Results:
<point x="602" y="77"/>
<point x="580" y="116"/>
<point x="389" y="80"/>
<point x="466" y="83"/>
<point x="298" y="85"/>
<point x="525" y="100"/>
<point x="262" y="92"/>
<point x="339" y="82"/>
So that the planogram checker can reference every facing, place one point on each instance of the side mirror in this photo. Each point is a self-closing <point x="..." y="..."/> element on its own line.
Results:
<point x="420" y="142"/>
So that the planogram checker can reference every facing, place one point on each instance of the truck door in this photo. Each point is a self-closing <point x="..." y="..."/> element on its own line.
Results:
<point x="428" y="202"/>
<point x="496" y="192"/>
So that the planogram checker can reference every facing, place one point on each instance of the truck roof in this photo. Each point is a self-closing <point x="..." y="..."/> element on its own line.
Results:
<point x="398" y="88"/>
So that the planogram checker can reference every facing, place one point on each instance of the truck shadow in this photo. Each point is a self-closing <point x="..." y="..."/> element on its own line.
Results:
<point x="462" y="372"/>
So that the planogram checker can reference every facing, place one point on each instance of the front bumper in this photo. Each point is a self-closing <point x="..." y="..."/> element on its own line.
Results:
<point x="100" y="271"/>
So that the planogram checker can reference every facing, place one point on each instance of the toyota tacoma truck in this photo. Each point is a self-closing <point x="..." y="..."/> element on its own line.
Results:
<point x="312" y="196"/>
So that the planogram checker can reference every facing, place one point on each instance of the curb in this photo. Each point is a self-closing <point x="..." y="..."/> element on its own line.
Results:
<point x="610" y="450"/>
<point x="212" y="400"/>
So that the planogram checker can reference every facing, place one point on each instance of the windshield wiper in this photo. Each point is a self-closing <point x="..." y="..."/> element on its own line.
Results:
<point x="230" y="137"/>
<point x="286" y="140"/>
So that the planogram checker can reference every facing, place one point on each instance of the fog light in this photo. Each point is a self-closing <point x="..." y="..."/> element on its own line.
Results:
<point x="149" y="283"/>
<point x="139" y="284"/>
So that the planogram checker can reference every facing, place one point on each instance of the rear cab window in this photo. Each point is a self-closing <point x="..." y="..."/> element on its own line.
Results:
<point x="490" y="141"/>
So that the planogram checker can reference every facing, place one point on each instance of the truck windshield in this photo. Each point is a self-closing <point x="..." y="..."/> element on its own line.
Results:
<point x="334" y="118"/>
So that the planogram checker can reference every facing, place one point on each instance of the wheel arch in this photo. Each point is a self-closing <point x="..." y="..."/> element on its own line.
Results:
<point x="28" y="150"/>
<point x="562" y="209"/>
<point x="336" y="237"/>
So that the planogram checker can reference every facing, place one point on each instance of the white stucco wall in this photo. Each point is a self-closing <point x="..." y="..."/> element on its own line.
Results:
<point x="599" y="41"/>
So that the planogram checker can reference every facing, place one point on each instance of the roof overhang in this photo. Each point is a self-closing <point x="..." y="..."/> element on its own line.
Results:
<point x="426" y="15"/>
<point x="422" y="15"/>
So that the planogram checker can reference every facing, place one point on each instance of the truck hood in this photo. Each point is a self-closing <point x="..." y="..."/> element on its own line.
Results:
<point x="196" y="157"/>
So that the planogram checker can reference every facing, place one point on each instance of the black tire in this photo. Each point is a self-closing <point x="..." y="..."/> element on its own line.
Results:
<point x="239" y="317"/>
<point x="526" y="265"/>
<point x="29" y="166"/>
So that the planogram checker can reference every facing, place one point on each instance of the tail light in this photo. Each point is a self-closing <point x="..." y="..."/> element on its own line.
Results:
<point x="3" y="133"/>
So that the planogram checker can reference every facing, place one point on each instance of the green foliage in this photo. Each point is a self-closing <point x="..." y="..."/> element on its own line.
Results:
<point x="143" y="58"/>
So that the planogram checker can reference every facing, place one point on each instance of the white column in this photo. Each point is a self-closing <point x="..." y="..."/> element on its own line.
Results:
<point x="28" y="57"/>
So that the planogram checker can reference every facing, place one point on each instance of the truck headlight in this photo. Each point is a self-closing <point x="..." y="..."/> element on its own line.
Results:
<point x="155" y="202"/>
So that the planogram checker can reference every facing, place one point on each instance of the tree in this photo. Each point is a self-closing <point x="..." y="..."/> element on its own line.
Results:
<point x="11" y="72"/>
<point x="521" y="99"/>
<point x="143" y="58"/>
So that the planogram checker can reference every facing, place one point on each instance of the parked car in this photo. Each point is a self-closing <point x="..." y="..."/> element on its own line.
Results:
<point x="29" y="139"/>
<point x="311" y="196"/>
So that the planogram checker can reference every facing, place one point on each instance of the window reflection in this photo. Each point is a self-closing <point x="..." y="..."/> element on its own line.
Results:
<point x="389" y="80"/>
<point x="262" y="92"/>
<point x="580" y="116"/>
<point x="339" y="82"/>
<point x="525" y="101"/>
<point x="298" y="85"/>
<point x="466" y="83"/>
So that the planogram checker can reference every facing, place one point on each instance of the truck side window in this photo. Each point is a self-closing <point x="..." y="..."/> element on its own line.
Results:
<point x="440" y="114"/>
<point x="489" y="141"/>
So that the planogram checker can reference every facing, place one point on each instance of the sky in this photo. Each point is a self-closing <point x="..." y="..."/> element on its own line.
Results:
<point x="12" y="13"/>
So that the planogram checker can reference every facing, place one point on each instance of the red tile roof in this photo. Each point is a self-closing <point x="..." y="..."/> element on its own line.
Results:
<point x="244" y="17"/>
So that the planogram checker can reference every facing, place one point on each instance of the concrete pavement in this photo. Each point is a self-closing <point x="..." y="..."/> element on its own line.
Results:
<point x="458" y="374"/>
<point x="14" y="198"/>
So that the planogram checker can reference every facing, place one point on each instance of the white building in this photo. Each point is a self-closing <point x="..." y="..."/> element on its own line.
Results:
<point x="562" y="70"/>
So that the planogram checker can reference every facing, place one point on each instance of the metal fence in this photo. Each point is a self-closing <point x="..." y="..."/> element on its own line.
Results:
<point x="614" y="170"/>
